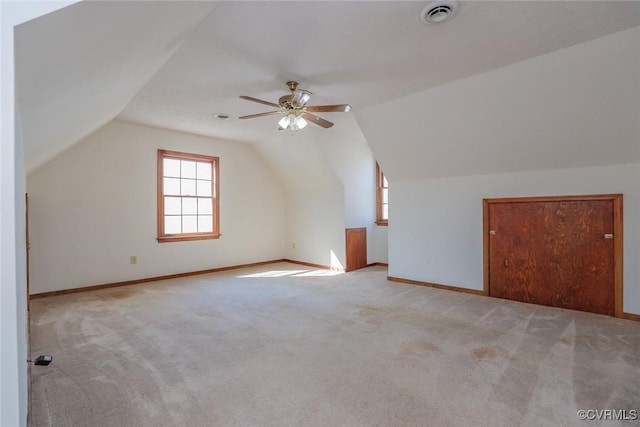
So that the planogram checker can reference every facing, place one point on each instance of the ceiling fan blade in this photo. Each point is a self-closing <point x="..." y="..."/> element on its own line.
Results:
<point x="342" y="108"/>
<point x="252" y="116"/>
<point x="317" y="120"/>
<point x="259" y="101"/>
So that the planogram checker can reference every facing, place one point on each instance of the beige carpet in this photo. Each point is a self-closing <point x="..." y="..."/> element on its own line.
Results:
<point x="282" y="345"/>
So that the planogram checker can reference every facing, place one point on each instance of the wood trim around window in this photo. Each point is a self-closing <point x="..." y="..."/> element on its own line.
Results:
<point x="379" y="187"/>
<point x="215" y="191"/>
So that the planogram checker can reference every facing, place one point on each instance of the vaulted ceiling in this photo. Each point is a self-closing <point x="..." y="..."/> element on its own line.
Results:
<point x="177" y="64"/>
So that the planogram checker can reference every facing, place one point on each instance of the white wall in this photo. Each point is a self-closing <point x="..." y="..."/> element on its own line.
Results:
<point x="314" y="200"/>
<point x="94" y="206"/>
<point x="315" y="224"/>
<point x="298" y="161"/>
<point x="436" y="233"/>
<point x="380" y="245"/>
<point x="329" y="179"/>
<point x="12" y="394"/>
<point x="13" y="345"/>
<point x="352" y="161"/>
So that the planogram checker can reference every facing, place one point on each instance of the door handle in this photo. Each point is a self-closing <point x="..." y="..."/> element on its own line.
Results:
<point x="506" y="262"/>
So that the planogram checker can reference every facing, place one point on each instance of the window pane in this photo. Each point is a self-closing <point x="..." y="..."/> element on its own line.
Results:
<point x="171" y="167"/>
<point x="189" y="206"/>
<point x="171" y="186"/>
<point x="189" y="224"/>
<point x="204" y="188"/>
<point x="172" y="206"/>
<point x="188" y="169"/>
<point x="385" y="211"/>
<point x="385" y="195"/>
<point x="205" y="223"/>
<point x="204" y="170"/>
<point x="204" y="206"/>
<point x="188" y="187"/>
<point x="384" y="181"/>
<point x="172" y="225"/>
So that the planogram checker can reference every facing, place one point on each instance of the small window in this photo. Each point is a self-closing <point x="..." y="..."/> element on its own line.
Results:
<point x="188" y="197"/>
<point x="382" y="197"/>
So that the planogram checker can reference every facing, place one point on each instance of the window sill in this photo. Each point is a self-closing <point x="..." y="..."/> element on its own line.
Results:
<point x="382" y="223"/>
<point x="186" y="238"/>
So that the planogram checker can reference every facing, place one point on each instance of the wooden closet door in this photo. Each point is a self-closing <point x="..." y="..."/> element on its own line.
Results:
<point x="556" y="253"/>
<point x="356" y="243"/>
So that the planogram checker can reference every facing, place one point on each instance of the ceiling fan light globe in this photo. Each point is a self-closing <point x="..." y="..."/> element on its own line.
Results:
<point x="284" y="122"/>
<point x="300" y="97"/>
<point x="300" y="123"/>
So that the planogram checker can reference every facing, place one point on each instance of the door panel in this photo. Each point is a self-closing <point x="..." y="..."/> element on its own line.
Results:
<point x="553" y="253"/>
<point x="356" y="248"/>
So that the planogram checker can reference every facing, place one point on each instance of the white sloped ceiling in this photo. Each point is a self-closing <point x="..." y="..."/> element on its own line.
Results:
<point x="576" y="107"/>
<point x="82" y="66"/>
<point x="77" y="68"/>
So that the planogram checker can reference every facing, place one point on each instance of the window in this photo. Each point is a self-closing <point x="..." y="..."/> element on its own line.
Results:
<point x="382" y="197"/>
<point x="188" y="197"/>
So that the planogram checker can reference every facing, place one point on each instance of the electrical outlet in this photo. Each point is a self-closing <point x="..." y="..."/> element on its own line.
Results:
<point x="43" y="360"/>
<point x="133" y="259"/>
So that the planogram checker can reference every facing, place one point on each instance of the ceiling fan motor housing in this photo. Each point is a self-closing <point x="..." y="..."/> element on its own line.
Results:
<point x="296" y="99"/>
<point x="285" y="101"/>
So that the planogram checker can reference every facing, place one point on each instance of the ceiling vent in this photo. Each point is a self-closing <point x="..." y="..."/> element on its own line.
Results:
<point x="439" y="11"/>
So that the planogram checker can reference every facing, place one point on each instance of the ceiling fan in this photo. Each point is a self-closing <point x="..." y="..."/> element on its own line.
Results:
<point x="296" y="112"/>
